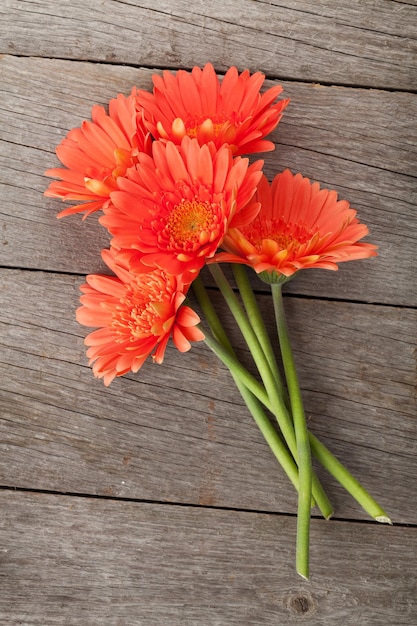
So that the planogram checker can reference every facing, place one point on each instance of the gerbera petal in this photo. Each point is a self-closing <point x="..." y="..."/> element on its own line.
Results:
<point x="222" y="163"/>
<point x="88" y="317"/>
<point x="97" y="153"/>
<point x="189" y="92"/>
<point x="176" y="163"/>
<point x="204" y="172"/>
<point x="178" y="128"/>
<point x="208" y="84"/>
<point x="108" y="285"/>
<point x="245" y="216"/>
<point x="193" y="333"/>
<point x="180" y="340"/>
<point x="187" y="317"/>
<point x="258" y="145"/>
<point x="87" y="208"/>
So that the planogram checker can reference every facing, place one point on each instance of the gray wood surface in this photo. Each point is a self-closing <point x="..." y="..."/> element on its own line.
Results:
<point x="348" y="42"/>
<point x="156" y="501"/>
<point x="111" y="563"/>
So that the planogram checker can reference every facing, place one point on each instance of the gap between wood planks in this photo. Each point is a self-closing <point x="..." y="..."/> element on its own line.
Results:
<point x="51" y="492"/>
<point x="256" y="291"/>
<point x="167" y="66"/>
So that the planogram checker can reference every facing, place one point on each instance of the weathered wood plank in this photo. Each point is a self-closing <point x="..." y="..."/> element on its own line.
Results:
<point x="360" y="142"/>
<point x="77" y="561"/>
<point x="348" y="42"/>
<point x="179" y="432"/>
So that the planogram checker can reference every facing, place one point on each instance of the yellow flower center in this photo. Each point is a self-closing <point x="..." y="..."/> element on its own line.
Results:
<point x="190" y="221"/>
<point x="283" y="241"/>
<point x="215" y="128"/>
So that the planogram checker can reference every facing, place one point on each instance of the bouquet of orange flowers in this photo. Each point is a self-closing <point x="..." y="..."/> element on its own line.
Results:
<point x="166" y="169"/>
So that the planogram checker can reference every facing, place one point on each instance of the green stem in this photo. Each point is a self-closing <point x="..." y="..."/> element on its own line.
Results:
<point x="210" y="314"/>
<point x="240" y="373"/>
<point x="301" y="433"/>
<point x="256" y="320"/>
<point x="322" y="454"/>
<point x="277" y="446"/>
<point x="345" y="478"/>
<point x="275" y="402"/>
<point x="231" y="362"/>
<point x="244" y="381"/>
<point x="257" y="323"/>
<point x="254" y="346"/>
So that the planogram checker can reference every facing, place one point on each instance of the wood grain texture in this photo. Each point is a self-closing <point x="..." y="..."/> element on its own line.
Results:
<point x="180" y="432"/>
<point x="348" y="42"/>
<point x="78" y="561"/>
<point x="185" y="517"/>
<point x="360" y="142"/>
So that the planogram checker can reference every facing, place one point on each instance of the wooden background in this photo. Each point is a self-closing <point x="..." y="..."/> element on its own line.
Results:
<point x="156" y="501"/>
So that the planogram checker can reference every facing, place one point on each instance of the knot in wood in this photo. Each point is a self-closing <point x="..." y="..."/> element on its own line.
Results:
<point x="302" y="604"/>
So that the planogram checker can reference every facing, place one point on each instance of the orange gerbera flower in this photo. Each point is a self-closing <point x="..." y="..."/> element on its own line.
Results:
<point x="173" y="209"/>
<point x="197" y="104"/>
<point x="298" y="226"/>
<point x="97" y="153"/>
<point x="135" y="314"/>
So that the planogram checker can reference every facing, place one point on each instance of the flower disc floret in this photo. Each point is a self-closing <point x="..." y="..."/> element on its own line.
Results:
<point x="191" y="223"/>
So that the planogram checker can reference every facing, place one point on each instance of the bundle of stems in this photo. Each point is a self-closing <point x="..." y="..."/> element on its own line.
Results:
<point x="267" y="396"/>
